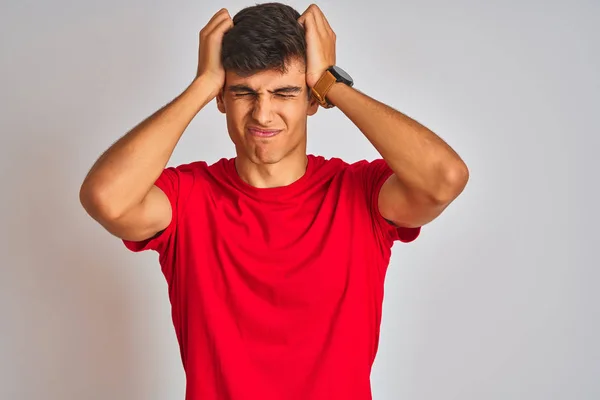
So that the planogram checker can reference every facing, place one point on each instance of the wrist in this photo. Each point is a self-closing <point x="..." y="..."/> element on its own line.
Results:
<point x="332" y="78"/>
<point x="203" y="89"/>
<point x="337" y="91"/>
<point x="312" y="79"/>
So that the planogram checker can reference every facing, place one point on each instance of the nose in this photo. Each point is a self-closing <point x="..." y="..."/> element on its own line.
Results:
<point x="262" y="111"/>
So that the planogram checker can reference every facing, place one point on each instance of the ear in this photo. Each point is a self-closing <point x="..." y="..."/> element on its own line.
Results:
<point x="313" y="107"/>
<point x="220" y="102"/>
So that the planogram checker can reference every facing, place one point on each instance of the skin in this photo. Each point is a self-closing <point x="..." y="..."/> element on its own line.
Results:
<point x="119" y="190"/>
<point x="268" y="100"/>
<point x="428" y="174"/>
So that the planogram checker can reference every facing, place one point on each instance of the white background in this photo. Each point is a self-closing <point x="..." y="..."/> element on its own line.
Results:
<point x="498" y="298"/>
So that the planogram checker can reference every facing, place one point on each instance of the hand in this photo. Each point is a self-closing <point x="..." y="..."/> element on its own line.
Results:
<point x="209" y="53"/>
<point x="320" y="44"/>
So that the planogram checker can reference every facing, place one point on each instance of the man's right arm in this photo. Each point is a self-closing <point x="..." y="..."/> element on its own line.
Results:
<point x="119" y="190"/>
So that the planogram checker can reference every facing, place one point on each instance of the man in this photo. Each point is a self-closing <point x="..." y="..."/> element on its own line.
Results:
<point x="275" y="259"/>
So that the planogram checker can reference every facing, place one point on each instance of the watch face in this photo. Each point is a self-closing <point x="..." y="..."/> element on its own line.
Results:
<point x="340" y="73"/>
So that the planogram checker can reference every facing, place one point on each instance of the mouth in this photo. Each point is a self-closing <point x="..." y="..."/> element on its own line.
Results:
<point x="263" y="133"/>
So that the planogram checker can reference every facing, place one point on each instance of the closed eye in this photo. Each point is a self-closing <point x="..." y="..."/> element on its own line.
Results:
<point x="279" y="95"/>
<point x="285" y="92"/>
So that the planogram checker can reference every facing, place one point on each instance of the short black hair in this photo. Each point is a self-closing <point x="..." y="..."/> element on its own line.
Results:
<point x="263" y="37"/>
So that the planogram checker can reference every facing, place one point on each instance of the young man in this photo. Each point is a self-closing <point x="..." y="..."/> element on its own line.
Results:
<point x="275" y="259"/>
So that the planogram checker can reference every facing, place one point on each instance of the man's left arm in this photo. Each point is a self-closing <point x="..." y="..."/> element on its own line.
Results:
<point x="428" y="174"/>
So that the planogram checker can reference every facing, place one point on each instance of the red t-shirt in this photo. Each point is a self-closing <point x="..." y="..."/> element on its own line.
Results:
<point x="276" y="293"/>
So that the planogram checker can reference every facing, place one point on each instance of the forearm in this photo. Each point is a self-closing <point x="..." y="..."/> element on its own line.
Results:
<point x="420" y="159"/>
<point x="125" y="173"/>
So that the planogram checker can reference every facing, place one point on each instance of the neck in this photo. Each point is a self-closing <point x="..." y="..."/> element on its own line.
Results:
<point x="282" y="173"/>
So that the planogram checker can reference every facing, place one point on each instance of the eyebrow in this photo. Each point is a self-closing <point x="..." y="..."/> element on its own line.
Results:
<point x="247" y="89"/>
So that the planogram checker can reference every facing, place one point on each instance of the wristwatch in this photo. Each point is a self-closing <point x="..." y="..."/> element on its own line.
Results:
<point x="332" y="75"/>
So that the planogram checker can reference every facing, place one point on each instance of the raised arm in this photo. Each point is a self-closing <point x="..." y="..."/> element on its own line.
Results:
<point x="427" y="173"/>
<point x="119" y="190"/>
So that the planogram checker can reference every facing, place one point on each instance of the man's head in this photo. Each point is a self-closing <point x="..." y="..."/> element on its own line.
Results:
<point x="264" y="57"/>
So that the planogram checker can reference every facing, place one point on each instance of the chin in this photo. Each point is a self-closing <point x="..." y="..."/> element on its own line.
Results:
<point x="269" y="151"/>
<point x="266" y="158"/>
<point x="265" y="155"/>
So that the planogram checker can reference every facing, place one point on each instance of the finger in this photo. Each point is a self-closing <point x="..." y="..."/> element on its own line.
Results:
<point x="302" y="19"/>
<point x="216" y="16"/>
<point x="326" y="24"/>
<point x="221" y="15"/>
<point x="223" y="26"/>
<point x="314" y="13"/>
<point x="321" y="21"/>
<point x="215" y="37"/>
<point x="310" y="25"/>
<point x="309" y="22"/>
<point x="319" y="24"/>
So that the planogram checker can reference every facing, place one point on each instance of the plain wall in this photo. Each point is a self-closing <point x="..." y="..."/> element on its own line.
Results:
<point x="498" y="298"/>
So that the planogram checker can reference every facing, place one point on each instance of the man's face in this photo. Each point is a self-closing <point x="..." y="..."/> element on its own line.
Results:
<point x="267" y="112"/>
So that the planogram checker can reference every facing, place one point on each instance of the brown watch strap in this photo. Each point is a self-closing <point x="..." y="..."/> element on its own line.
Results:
<point x="322" y="87"/>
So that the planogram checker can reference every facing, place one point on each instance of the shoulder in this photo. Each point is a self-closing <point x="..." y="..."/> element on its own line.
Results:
<point x="322" y="164"/>
<point x="354" y="168"/>
<point x="181" y="178"/>
<point x="361" y="172"/>
<point x="190" y="168"/>
<point x="191" y="171"/>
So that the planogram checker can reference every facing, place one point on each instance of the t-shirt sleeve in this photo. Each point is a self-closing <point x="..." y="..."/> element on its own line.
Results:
<point x="373" y="175"/>
<point x="174" y="182"/>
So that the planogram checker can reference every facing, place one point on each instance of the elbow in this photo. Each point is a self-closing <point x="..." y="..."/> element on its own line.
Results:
<point x="96" y="202"/>
<point x="453" y="182"/>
